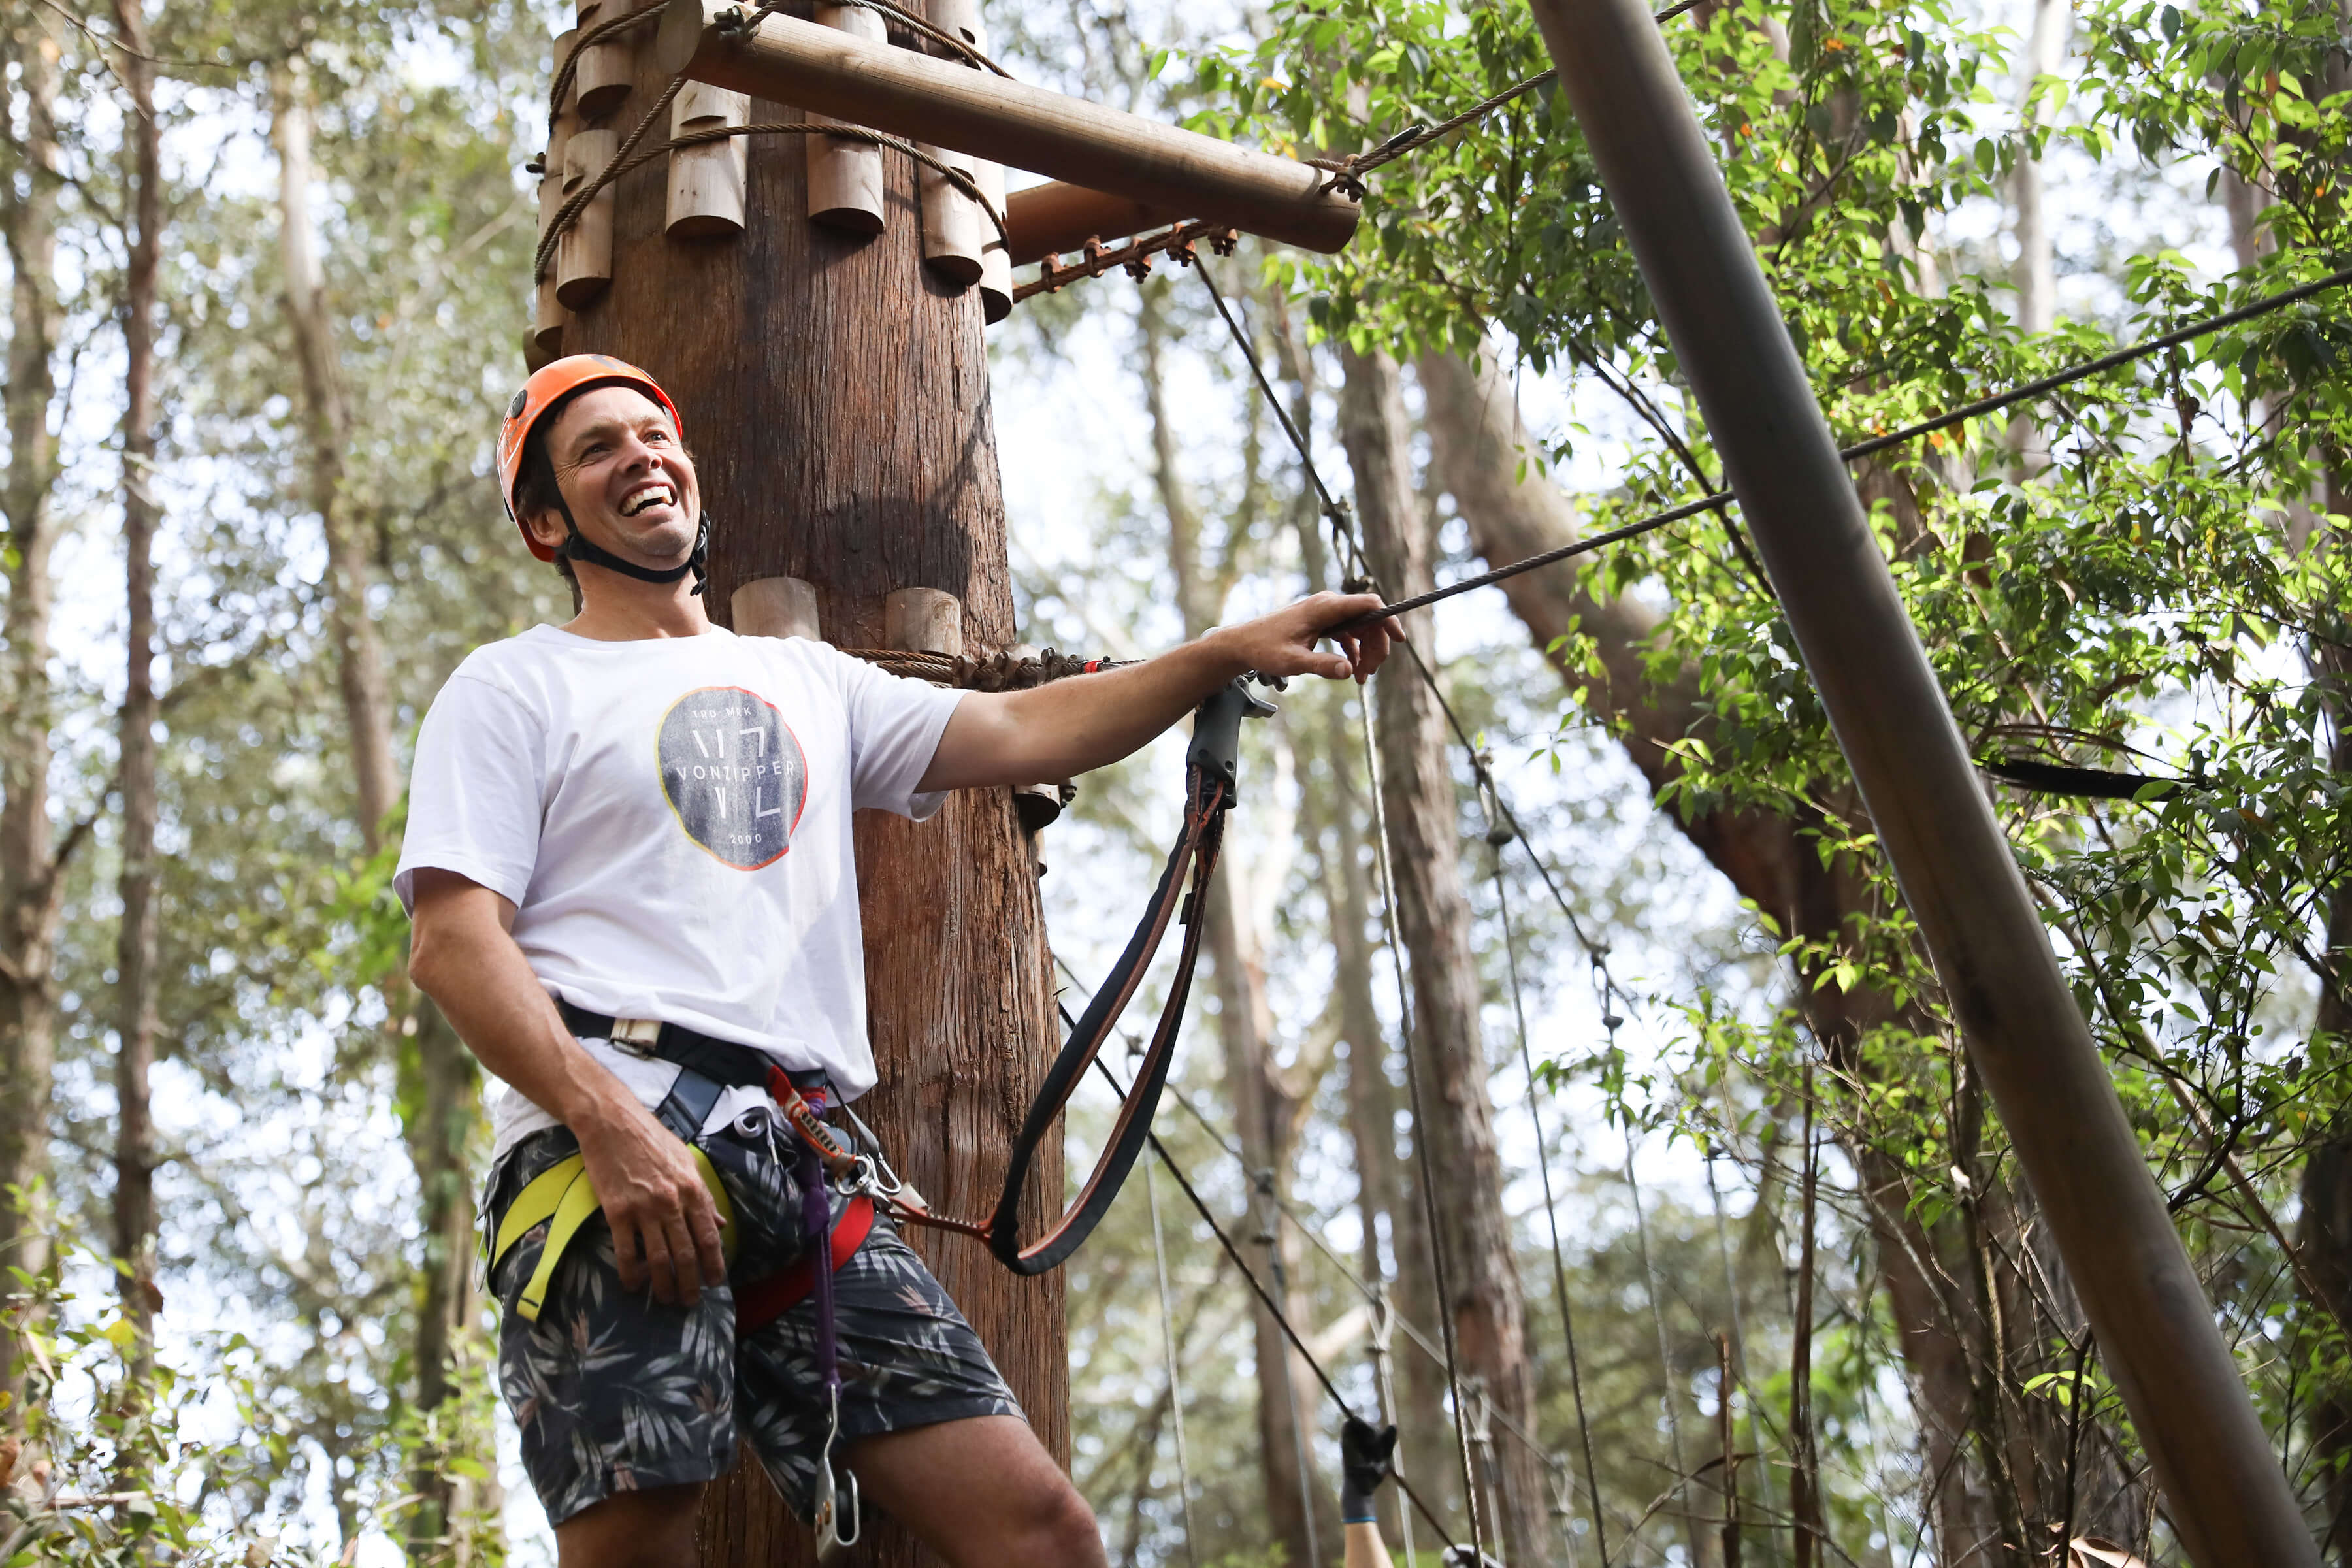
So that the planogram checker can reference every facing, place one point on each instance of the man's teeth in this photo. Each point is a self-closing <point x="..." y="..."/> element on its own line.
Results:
<point x="658" y="495"/>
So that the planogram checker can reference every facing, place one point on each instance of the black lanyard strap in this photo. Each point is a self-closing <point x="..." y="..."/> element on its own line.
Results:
<point x="1209" y="792"/>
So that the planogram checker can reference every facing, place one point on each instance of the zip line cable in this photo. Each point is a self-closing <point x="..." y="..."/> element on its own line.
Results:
<point x="1175" y="1382"/>
<point x="2026" y="393"/>
<point x="1498" y="835"/>
<point x="1306" y="1227"/>
<point x="1427" y="1183"/>
<point x="1273" y="1308"/>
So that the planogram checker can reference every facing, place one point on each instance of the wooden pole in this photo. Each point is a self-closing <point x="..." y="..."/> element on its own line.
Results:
<point x="836" y="394"/>
<point x="945" y="104"/>
<point x="2225" y="1493"/>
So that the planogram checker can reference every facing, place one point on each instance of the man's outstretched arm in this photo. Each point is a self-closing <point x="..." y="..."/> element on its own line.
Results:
<point x="1089" y="721"/>
<point x="462" y="954"/>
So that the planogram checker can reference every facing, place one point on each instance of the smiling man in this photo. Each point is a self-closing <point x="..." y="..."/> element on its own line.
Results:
<point x="628" y="866"/>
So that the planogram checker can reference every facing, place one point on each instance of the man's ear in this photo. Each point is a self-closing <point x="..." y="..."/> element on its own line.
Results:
<point x="547" y="526"/>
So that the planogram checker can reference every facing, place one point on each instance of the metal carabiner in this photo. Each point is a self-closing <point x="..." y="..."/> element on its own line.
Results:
<point x="885" y="1183"/>
<point x="832" y="1543"/>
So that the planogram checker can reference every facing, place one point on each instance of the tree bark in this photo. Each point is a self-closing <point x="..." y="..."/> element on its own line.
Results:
<point x="134" y="1148"/>
<point x="835" y="393"/>
<point x="359" y="649"/>
<point x="1488" y="1303"/>
<point x="2324" y="1231"/>
<point x="29" y="900"/>
<point x="1270" y="1106"/>
<point x="1476" y="437"/>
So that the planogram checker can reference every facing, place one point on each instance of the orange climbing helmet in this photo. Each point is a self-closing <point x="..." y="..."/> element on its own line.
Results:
<point x="548" y="385"/>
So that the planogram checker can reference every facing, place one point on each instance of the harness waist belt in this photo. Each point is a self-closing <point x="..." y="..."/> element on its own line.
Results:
<point x="725" y="1062"/>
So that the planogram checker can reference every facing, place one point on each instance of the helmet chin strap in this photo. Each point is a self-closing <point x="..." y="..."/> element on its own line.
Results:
<point x="578" y="546"/>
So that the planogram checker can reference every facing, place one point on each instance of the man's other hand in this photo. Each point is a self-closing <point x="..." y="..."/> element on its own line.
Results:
<point x="1284" y="643"/>
<point x="665" y="1227"/>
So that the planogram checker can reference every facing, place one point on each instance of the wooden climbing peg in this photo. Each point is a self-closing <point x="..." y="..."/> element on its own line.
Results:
<point x="954" y="231"/>
<point x="923" y="620"/>
<point x="995" y="262"/>
<point x="707" y="181"/>
<point x="583" y="256"/>
<point x="775" y="607"/>
<point x="845" y="178"/>
<point x="601" y="80"/>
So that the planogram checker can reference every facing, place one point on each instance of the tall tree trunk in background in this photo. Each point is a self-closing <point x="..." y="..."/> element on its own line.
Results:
<point x="1488" y="1305"/>
<point x="28" y="904"/>
<point x="437" y="1075"/>
<point x="1269" y="1108"/>
<point x="2324" y="1233"/>
<point x="1476" y="438"/>
<point x="359" y="651"/>
<point x="135" y="1146"/>
<point x="2035" y="272"/>
<point x="1385" y="1177"/>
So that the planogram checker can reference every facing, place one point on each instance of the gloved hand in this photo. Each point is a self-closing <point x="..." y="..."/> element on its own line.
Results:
<point x="1364" y="1454"/>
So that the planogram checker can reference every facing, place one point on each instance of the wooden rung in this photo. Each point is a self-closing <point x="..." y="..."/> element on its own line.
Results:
<point x="995" y="264"/>
<point x="774" y="607"/>
<point x="601" y="82"/>
<point x="953" y="229"/>
<point x="583" y="256"/>
<point x="845" y="178"/>
<point x="923" y="620"/>
<point x="706" y="182"/>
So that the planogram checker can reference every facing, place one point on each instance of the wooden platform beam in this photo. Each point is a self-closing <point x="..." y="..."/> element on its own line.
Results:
<point x="1049" y="219"/>
<point x="947" y="104"/>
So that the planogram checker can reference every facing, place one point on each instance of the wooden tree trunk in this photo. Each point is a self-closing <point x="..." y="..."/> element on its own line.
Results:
<point x="359" y="650"/>
<point x="134" y="1155"/>
<point x="836" y="394"/>
<point x="29" y="905"/>
<point x="1267" y="1108"/>
<point x="2325" y="1230"/>
<point x="1489" y="1304"/>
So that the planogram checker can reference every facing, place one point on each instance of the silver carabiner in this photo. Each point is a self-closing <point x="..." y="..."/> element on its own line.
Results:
<point x="832" y="1543"/>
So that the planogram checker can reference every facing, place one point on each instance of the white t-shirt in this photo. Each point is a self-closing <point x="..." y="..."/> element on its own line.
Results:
<point x="670" y="818"/>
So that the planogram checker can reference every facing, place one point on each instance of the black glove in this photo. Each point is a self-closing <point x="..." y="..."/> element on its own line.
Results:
<point x="1364" y="1454"/>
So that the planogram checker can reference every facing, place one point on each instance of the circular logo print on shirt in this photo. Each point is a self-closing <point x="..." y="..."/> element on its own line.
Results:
<point x="733" y="774"/>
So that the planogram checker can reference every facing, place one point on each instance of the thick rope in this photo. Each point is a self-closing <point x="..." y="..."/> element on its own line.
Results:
<point x="996" y="672"/>
<point x="567" y="72"/>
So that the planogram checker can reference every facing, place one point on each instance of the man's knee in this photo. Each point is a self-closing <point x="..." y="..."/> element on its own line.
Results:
<point x="651" y="1529"/>
<point x="1061" y="1528"/>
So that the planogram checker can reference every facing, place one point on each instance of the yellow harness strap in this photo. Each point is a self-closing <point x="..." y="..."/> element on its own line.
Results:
<point x="562" y="1198"/>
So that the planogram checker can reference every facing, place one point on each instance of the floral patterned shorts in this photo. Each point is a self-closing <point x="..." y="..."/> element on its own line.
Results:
<point x="614" y="1391"/>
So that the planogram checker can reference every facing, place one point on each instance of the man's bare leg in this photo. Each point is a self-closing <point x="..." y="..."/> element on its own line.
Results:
<point x="651" y="1529"/>
<point x="980" y="1492"/>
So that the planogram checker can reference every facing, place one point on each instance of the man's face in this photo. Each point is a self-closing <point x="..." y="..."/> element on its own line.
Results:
<point x="626" y="476"/>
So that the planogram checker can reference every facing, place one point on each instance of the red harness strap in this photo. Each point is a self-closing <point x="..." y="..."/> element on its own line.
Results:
<point x="763" y="1301"/>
